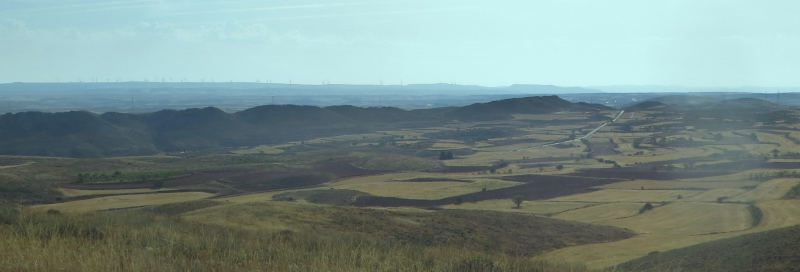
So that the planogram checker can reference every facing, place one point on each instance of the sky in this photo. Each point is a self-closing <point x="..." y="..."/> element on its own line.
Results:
<point x="695" y="43"/>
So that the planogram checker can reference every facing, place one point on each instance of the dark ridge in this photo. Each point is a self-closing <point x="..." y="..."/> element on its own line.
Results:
<point x="73" y="134"/>
<point x="647" y="105"/>
<point x="84" y="134"/>
<point x="502" y="109"/>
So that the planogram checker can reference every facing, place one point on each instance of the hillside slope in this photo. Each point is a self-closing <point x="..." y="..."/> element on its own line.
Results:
<point x="84" y="134"/>
<point x="775" y="250"/>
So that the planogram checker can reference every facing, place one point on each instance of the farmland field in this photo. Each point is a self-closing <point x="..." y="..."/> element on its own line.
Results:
<point x="649" y="182"/>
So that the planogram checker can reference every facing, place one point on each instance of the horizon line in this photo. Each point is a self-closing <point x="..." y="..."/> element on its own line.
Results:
<point x="598" y="87"/>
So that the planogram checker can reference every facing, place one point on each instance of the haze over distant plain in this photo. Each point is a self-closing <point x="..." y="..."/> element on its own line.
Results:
<point x="711" y="43"/>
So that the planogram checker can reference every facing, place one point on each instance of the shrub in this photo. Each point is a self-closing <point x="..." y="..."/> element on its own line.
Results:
<point x="477" y="263"/>
<point x="793" y="193"/>
<point x="9" y="214"/>
<point x="646" y="207"/>
<point x="517" y="199"/>
<point x="756" y="214"/>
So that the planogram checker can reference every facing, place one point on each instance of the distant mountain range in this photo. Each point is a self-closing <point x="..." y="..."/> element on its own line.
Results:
<point x="236" y="96"/>
<point x="142" y="97"/>
<point x="85" y="134"/>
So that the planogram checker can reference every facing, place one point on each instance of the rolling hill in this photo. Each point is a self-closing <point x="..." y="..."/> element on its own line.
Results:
<point x="85" y="134"/>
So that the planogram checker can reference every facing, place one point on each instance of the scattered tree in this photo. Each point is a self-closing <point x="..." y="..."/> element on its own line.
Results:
<point x="637" y="142"/>
<point x="754" y="137"/>
<point x="647" y="206"/>
<point x="445" y="155"/>
<point x="517" y="201"/>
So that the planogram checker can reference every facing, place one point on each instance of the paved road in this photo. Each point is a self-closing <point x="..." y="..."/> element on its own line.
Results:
<point x="582" y="137"/>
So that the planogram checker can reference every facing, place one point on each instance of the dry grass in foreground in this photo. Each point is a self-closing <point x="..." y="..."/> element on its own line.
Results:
<point x="156" y="239"/>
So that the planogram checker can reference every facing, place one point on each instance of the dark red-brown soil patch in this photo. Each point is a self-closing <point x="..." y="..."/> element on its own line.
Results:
<point x="604" y="148"/>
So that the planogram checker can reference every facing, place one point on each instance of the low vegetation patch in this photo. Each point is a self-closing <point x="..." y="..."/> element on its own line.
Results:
<point x="472" y="135"/>
<point x="484" y="231"/>
<point x="118" y="176"/>
<point x="534" y="187"/>
<point x="774" y="250"/>
<point x="159" y="240"/>
<point x="322" y="196"/>
<point x="24" y="191"/>
<point x="9" y="213"/>
<point x="646" y="207"/>
<point x="756" y="214"/>
<point x="793" y="193"/>
<point x="433" y="179"/>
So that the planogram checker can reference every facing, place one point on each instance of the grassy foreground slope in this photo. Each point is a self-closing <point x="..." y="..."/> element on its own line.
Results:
<point x="774" y="250"/>
<point x="215" y="236"/>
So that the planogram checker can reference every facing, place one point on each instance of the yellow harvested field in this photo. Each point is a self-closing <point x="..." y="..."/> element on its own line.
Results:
<point x="449" y="145"/>
<point x="601" y="213"/>
<point x="785" y="143"/>
<point x="776" y="214"/>
<point x="77" y="192"/>
<point x="490" y="155"/>
<point x="768" y="190"/>
<point x="679" y="184"/>
<point x="16" y="165"/>
<point x="715" y="194"/>
<point x="742" y="178"/>
<point x="552" y="116"/>
<point x="506" y="205"/>
<point x="245" y="216"/>
<point x="247" y="198"/>
<point x="545" y="137"/>
<point x="261" y="149"/>
<point x="659" y="154"/>
<point x="689" y="218"/>
<point x="603" y="255"/>
<point x="123" y="201"/>
<point x="259" y="197"/>
<point x="779" y="214"/>
<point x="619" y="195"/>
<point x="392" y="162"/>
<point x="424" y="190"/>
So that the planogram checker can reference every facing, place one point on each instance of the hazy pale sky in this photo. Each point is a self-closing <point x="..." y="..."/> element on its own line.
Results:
<point x="725" y="43"/>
